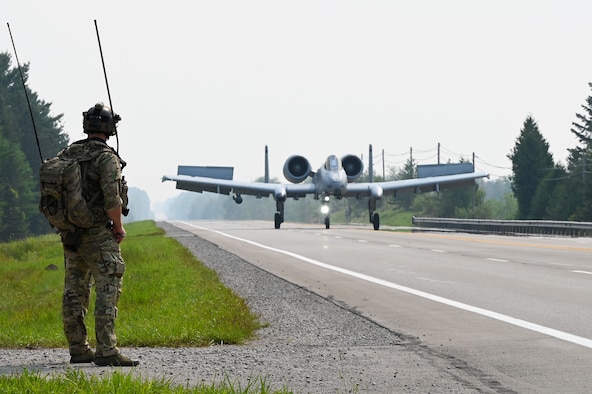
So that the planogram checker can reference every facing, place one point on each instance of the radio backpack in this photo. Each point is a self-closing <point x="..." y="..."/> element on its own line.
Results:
<point x="62" y="197"/>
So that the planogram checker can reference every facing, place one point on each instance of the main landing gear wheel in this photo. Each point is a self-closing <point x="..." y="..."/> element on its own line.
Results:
<point x="278" y="220"/>
<point x="327" y="223"/>
<point x="376" y="221"/>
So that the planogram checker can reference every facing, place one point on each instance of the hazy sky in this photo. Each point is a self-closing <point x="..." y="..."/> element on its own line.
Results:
<point x="213" y="82"/>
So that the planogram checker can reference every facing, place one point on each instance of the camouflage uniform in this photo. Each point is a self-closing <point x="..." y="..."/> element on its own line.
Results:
<point x="96" y="257"/>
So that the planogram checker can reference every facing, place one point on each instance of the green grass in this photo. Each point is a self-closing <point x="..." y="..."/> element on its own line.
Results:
<point x="169" y="298"/>
<point x="76" y="382"/>
<point x="393" y="217"/>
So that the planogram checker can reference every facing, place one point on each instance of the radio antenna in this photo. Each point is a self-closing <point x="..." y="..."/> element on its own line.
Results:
<point x="107" y="83"/>
<point x="26" y="94"/>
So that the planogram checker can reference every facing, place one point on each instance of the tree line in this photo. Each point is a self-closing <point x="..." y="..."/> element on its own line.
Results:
<point x="545" y="188"/>
<point x="19" y="154"/>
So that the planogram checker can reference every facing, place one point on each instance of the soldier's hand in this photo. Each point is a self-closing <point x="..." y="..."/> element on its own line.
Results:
<point x="119" y="234"/>
<point x="119" y="237"/>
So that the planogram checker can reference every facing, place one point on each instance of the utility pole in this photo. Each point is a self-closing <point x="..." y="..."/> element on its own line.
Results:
<point x="438" y="153"/>
<point x="383" y="175"/>
<point x="370" y="165"/>
<point x="474" y="191"/>
<point x="411" y="170"/>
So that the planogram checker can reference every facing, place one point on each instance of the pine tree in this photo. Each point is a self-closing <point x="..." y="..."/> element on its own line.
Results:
<point x="580" y="162"/>
<point x="531" y="163"/>
<point x="583" y="129"/>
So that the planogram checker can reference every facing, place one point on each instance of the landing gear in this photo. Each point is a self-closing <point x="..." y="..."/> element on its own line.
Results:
<point x="374" y="217"/>
<point x="376" y="221"/>
<point x="325" y="211"/>
<point x="278" y="219"/>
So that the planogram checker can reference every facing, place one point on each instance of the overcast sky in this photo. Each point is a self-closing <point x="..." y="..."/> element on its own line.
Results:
<point x="213" y="82"/>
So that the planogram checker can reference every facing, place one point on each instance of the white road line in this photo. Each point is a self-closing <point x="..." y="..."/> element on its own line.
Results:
<point x="582" y="272"/>
<point x="395" y="246"/>
<point x="362" y="241"/>
<point x="438" y="251"/>
<point x="497" y="260"/>
<point x="480" y="311"/>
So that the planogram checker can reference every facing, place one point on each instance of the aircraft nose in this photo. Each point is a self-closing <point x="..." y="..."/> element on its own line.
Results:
<point x="338" y="188"/>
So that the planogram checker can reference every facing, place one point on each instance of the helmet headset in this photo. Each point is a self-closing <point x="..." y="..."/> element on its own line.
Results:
<point x="100" y="119"/>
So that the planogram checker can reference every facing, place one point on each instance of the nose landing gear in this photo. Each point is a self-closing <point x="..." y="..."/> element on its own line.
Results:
<point x="325" y="211"/>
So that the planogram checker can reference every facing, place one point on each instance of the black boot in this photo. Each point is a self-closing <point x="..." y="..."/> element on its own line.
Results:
<point x="116" y="360"/>
<point x="87" y="357"/>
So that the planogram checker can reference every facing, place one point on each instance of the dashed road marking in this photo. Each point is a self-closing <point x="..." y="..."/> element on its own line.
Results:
<point x="497" y="260"/>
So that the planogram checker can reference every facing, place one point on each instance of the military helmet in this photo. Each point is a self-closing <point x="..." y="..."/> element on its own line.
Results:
<point x="100" y="119"/>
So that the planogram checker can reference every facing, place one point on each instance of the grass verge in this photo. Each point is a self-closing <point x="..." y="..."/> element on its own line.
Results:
<point x="76" y="382"/>
<point x="169" y="298"/>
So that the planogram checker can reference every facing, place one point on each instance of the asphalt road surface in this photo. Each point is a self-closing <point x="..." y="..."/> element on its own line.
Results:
<point x="518" y="309"/>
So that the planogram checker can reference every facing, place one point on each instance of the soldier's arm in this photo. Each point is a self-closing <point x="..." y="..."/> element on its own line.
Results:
<point x="110" y="179"/>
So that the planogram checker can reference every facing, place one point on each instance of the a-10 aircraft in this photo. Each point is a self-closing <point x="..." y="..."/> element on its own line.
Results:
<point x="335" y="178"/>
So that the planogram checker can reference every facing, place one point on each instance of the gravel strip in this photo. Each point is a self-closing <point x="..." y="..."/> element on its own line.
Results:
<point x="311" y="345"/>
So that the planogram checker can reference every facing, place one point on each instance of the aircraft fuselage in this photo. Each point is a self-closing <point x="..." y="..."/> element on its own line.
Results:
<point x="331" y="179"/>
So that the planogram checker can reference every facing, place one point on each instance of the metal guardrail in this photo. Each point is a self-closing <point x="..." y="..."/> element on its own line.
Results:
<point x="533" y="227"/>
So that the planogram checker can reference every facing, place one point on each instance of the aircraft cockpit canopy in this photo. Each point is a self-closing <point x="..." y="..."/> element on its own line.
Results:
<point x="332" y="163"/>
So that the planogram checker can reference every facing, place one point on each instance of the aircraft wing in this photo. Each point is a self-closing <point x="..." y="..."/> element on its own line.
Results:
<point x="226" y="186"/>
<point x="427" y="184"/>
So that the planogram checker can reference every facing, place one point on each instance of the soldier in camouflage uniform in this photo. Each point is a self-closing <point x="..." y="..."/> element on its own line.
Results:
<point x="93" y="254"/>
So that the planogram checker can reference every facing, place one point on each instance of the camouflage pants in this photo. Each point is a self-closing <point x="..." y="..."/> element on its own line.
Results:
<point x="97" y="259"/>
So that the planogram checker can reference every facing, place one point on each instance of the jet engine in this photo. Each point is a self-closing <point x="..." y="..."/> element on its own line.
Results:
<point x="297" y="169"/>
<point x="353" y="167"/>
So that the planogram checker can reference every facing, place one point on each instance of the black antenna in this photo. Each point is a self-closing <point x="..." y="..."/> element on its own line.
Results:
<point x="26" y="94"/>
<point x="107" y="83"/>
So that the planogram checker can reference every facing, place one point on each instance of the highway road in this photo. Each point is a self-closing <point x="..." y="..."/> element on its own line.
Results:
<point x="518" y="309"/>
